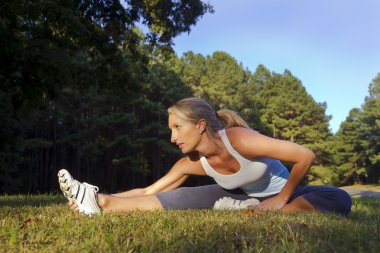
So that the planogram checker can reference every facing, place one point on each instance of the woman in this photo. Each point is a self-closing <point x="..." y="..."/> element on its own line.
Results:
<point x="244" y="163"/>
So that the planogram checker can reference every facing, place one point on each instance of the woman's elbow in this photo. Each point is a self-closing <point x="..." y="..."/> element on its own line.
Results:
<point x="310" y="157"/>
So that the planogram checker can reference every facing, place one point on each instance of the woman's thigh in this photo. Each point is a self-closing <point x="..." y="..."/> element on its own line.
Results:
<point x="200" y="197"/>
<point x="325" y="198"/>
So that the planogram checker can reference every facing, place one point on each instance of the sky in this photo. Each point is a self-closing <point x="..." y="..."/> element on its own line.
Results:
<point x="332" y="46"/>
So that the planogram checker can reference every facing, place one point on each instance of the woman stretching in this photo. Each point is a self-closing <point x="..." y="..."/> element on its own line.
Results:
<point x="244" y="163"/>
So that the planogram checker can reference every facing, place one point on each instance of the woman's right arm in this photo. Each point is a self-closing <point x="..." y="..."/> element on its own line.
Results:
<point x="172" y="180"/>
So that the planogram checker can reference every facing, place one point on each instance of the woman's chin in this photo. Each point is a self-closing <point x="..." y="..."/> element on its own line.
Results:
<point x="185" y="151"/>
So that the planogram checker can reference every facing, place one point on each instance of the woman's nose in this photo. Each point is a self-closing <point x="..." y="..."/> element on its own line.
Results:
<point x="173" y="138"/>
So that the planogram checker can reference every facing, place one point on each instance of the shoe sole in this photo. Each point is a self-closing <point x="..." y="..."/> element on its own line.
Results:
<point x="62" y="179"/>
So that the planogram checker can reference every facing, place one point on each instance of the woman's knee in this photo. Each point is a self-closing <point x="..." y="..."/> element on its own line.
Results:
<point x="327" y="199"/>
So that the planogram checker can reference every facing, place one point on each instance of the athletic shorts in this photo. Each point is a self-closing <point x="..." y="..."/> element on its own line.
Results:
<point x="323" y="198"/>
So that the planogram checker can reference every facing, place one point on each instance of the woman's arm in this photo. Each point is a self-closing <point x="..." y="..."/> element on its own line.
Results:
<point x="251" y="144"/>
<point x="172" y="180"/>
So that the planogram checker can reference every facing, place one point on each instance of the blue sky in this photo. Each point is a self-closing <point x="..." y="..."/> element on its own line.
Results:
<point x="332" y="46"/>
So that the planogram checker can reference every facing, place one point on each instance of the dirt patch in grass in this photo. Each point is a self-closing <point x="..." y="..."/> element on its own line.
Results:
<point x="363" y="187"/>
<point x="363" y="190"/>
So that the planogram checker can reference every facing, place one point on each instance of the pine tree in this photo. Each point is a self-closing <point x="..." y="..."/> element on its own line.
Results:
<point x="359" y="140"/>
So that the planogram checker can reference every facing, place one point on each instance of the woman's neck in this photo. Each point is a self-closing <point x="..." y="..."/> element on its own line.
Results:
<point x="211" y="146"/>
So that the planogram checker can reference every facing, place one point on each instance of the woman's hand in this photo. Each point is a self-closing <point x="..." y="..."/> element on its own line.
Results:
<point x="274" y="203"/>
<point x="73" y="206"/>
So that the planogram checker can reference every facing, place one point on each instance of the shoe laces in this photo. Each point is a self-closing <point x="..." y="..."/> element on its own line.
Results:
<point x="95" y="188"/>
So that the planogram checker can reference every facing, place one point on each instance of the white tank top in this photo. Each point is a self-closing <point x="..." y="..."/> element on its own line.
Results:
<point x="258" y="178"/>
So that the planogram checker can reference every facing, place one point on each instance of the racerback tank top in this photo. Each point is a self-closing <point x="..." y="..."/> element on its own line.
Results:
<point x="258" y="178"/>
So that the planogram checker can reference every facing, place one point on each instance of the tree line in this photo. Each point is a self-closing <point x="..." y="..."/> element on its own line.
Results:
<point x="82" y="88"/>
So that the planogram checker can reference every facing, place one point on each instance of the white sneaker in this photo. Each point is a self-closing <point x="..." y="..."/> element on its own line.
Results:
<point x="83" y="195"/>
<point x="228" y="203"/>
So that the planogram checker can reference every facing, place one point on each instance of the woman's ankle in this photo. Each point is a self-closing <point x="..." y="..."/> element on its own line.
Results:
<point x="103" y="201"/>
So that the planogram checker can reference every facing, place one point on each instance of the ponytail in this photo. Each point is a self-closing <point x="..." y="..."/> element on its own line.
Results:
<point x="231" y="119"/>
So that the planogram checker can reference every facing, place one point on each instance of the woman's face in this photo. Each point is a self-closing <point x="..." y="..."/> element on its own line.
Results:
<point x="184" y="133"/>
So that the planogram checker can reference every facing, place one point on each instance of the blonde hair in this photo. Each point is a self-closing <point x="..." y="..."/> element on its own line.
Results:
<point x="194" y="109"/>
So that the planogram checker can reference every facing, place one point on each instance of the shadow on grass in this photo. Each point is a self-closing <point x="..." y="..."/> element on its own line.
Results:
<point x="361" y="216"/>
<point x="366" y="203"/>
<point x="31" y="200"/>
<point x="365" y="208"/>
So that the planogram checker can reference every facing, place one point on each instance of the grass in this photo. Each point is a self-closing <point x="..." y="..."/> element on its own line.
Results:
<point x="43" y="223"/>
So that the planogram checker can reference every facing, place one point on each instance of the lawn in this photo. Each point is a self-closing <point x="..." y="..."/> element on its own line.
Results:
<point x="44" y="223"/>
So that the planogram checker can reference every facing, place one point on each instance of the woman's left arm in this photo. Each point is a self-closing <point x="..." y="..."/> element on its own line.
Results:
<point x="253" y="144"/>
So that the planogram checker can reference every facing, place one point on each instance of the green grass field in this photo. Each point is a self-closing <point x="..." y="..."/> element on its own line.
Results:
<point x="43" y="223"/>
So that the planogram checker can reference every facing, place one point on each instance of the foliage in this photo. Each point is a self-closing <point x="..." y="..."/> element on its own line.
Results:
<point x="167" y="18"/>
<point x="290" y="112"/>
<point x="319" y="175"/>
<point x="78" y="89"/>
<point x="358" y="148"/>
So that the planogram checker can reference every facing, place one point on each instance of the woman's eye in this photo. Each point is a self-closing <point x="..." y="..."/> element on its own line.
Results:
<point x="178" y="127"/>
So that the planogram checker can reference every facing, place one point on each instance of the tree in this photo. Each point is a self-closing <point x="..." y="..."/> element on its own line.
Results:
<point x="350" y="153"/>
<point x="371" y="129"/>
<point x="289" y="112"/>
<point x="166" y="19"/>
<point x="60" y="57"/>
<point x="359" y="140"/>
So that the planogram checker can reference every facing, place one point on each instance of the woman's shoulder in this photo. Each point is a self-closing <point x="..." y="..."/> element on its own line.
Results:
<point x="244" y="140"/>
<point x="239" y="132"/>
<point x="238" y="135"/>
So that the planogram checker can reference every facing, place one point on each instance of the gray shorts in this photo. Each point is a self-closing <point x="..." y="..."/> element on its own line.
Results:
<point x="323" y="198"/>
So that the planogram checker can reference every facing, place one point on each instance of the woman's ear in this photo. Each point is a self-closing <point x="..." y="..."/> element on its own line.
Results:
<point x="202" y="125"/>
